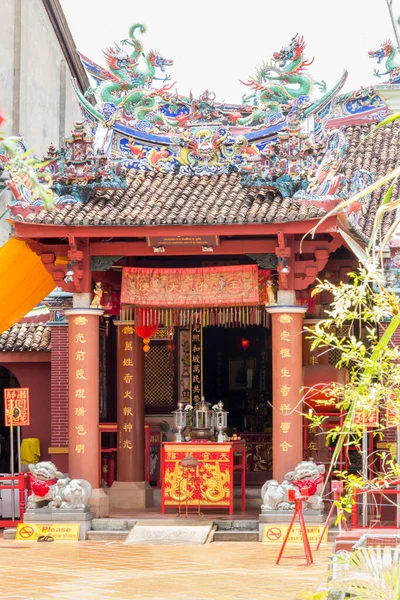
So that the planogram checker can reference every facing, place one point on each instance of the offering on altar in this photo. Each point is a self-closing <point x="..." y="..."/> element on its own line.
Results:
<point x="180" y="421"/>
<point x="203" y="421"/>
<point x="221" y="420"/>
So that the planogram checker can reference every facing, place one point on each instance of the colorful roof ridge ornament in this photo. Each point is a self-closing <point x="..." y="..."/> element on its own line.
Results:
<point x="77" y="169"/>
<point x="156" y="128"/>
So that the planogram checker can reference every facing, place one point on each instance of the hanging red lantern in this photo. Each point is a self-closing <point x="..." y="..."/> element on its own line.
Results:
<point x="244" y="343"/>
<point x="145" y="332"/>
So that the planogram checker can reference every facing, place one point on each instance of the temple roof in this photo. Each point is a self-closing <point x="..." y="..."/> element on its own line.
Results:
<point x="378" y="155"/>
<point x="153" y="198"/>
<point x="26" y="337"/>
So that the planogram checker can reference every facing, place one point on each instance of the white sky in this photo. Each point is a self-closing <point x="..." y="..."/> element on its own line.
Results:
<point x="214" y="43"/>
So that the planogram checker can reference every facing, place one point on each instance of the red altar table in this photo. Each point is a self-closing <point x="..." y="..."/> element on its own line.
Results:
<point x="212" y="485"/>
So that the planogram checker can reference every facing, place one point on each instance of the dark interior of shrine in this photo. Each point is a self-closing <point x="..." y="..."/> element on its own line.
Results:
<point x="237" y="370"/>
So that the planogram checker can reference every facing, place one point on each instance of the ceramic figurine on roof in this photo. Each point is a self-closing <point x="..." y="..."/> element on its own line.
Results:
<point x="137" y="121"/>
<point x="283" y="80"/>
<point x="283" y="83"/>
<point x="77" y="169"/>
<point x="387" y="52"/>
<point x="72" y="173"/>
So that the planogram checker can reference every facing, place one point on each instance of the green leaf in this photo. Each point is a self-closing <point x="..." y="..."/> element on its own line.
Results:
<point x="355" y="248"/>
<point x="387" y="121"/>
<point x="368" y="190"/>
<point x="379" y="215"/>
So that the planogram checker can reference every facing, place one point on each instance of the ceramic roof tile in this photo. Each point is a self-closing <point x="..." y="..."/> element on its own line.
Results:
<point x="157" y="199"/>
<point x="26" y="337"/>
<point x="379" y="154"/>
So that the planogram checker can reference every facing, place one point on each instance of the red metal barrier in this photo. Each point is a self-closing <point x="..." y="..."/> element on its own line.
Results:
<point x="17" y="482"/>
<point x="381" y="491"/>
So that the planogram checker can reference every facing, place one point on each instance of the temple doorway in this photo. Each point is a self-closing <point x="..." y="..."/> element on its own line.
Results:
<point x="7" y="380"/>
<point x="237" y="369"/>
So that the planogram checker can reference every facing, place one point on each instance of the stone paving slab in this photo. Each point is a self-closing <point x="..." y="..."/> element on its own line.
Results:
<point x="112" y="570"/>
<point x="171" y="532"/>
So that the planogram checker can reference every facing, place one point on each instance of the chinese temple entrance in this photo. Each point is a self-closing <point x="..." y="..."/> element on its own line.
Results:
<point x="237" y="369"/>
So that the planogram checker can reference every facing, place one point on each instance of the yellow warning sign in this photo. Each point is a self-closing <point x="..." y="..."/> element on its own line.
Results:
<point x="58" y="531"/>
<point x="276" y="533"/>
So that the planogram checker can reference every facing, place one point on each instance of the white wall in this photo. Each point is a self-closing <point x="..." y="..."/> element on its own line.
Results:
<point x="45" y="109"/>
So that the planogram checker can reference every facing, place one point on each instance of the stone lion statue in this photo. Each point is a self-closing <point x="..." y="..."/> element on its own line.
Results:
<point x="51" y="490"/>
<point x="307" y="475"/>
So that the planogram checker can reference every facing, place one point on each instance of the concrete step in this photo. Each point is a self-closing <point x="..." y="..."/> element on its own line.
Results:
<point x="236" y="536"/>
<point x="106" y="535"/>
<point x="10" y="533"/>
<point x="236" y="524"/>
<point x="113" y="524"/>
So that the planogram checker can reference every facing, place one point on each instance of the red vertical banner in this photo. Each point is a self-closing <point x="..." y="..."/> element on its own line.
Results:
<point x="130" y="404"/>
<point x="84" y="448"/>
<point x="125" y="408"/>
<point x="287" y="381"/>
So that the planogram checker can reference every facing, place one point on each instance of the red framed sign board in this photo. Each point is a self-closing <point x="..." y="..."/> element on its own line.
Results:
<point x="17" y="400"/>
<point x="366" y="418"/>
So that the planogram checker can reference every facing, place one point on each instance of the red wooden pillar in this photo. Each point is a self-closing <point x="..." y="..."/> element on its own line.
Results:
<point x="287" y="367"/>
<point x="130" y="491"/>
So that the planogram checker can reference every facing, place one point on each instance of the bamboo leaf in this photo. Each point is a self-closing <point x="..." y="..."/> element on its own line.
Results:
<point x="368" y="190"/>
<point x="380" y="213"/>
<point x="389" y="233"/>
<point x="388" y="120"/>
<point x="383" y="123"/>
<point x="361" y="254"/>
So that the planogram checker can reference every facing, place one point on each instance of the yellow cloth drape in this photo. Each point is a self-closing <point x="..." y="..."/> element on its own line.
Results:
<point x="24" y="282"/>
<point x="30" y="451"/>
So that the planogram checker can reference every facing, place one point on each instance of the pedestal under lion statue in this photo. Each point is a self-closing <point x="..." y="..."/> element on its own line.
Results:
<point x="276" y="507"/>
<point x="51" y="490"/>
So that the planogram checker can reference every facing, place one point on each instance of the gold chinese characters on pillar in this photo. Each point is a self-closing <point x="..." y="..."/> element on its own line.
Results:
<point x="284" y="380"/>
<point x="79" y="369"/>
<point x="125" y="355"/>
<point x="196" y="358"/>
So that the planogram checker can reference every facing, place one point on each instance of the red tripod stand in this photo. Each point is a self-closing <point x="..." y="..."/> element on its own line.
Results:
<point x="298" y="512"/>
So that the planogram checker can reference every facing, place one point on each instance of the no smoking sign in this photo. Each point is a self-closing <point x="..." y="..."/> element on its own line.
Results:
<point x="26" y="532"/>
<point x="274" y="534"/>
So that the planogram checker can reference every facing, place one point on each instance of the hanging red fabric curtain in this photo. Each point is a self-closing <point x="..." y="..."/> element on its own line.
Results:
<point x="199" y="287"/>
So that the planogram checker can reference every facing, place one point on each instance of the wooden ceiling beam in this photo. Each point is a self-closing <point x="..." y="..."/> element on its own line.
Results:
<point x="140" y="248"/>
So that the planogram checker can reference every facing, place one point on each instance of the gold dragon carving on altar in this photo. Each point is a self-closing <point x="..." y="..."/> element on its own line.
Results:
<point x="212" y="484"/>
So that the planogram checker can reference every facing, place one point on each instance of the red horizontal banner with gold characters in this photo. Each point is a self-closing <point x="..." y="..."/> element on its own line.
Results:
<point x="201" y="287"/>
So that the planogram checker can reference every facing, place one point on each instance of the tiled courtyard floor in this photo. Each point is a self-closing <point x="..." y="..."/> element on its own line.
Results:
<point x="112" y="570"/>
